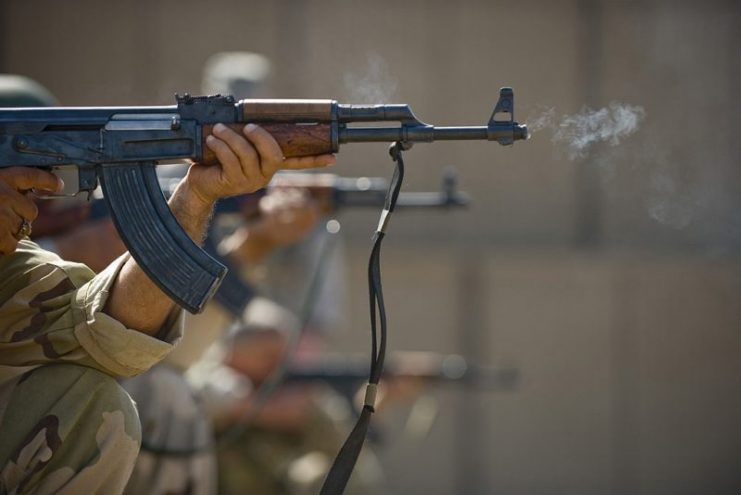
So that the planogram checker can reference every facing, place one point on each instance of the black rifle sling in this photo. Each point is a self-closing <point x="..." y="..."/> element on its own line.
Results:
<point x="344" y="463"/>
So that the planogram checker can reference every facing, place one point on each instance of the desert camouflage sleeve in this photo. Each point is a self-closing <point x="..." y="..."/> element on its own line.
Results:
<point x="51" y="311"/>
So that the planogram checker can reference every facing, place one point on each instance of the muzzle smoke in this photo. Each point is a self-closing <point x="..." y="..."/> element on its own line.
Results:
<point x="579" y="132"/>
<point x="668" y="200"/>
<point x="375" y="84"/>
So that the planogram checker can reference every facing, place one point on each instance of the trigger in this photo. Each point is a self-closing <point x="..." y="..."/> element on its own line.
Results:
<point x="74" y="183"/>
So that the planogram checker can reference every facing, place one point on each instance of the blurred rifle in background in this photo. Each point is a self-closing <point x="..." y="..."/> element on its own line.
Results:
<point x="346" y="373"/>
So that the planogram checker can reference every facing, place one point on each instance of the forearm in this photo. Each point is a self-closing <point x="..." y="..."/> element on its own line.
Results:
<point x="67" y="317"/>
<point x="135" y="300"/>
<point x="247" y="162"/>
<point x="287" y="410"/>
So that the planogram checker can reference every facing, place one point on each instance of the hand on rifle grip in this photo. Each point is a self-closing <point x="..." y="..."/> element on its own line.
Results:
<point x="17" y="211"/>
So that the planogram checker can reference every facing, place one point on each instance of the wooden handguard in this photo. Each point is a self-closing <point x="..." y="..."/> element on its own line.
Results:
<point x="294" y="139"/>
<point x="286" y="110"/>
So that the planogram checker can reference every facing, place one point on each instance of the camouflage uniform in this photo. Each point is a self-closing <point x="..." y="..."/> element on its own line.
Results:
<point x="177" y="453"/>
<point x="66" y="425"/>
<point x="272" y="462"/>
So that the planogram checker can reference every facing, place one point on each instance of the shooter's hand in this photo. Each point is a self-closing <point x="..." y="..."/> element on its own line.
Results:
<point x="247" y="163"/>
<point x="16" y="210"/>
<point x="286" y="215"/>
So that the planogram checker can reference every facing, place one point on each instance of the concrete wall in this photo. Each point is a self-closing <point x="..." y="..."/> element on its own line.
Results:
<point x="611" y="281"/>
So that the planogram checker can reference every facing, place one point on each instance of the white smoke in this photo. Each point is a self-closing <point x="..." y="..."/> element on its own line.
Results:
<point x="544" y="118"/>
<point x="374" y="84"/>
<point x="667" y="198"/>
<point x="579" y="132"/>
<point x="671" y="195"/>
<point x="669" y="203"/>
<point x="648" y="174"/>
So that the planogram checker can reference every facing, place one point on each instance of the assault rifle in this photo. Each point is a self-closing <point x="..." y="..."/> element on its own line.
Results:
<point x="120" y="146"/>
<point x="334" y="193"/>
<point x="347" y="373"/>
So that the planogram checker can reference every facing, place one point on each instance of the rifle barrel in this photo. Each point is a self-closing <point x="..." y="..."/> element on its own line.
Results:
<point x="428" y="134"/>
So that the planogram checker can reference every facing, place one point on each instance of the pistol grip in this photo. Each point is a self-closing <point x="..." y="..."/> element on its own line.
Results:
<point x="155" y="239"/>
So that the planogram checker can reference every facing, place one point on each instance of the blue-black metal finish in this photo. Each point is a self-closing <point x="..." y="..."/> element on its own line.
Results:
<point x="154" y="238"/>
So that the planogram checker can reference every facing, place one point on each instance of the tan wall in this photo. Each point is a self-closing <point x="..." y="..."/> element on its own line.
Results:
<point x="629" y="370"/>
<point x="625" y="326"/>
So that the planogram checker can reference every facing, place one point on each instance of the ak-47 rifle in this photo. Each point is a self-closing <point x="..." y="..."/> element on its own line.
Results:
<point x="334" y="192"/>
<point x="120" y="146"/>
<point x="347" y="373"/>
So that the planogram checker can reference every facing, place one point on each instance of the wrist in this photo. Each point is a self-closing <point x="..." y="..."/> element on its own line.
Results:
<point x="191" y="210"/>
<point x="191" y="198"/>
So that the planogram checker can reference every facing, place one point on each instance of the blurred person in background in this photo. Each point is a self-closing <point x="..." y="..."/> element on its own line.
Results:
<point x="177" y="446"/>
<point x="282" y="443"/>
